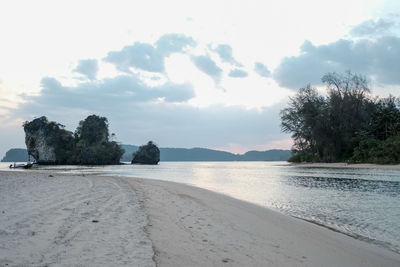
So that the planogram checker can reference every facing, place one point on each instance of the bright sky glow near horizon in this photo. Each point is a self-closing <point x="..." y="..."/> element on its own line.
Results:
<point x="209" y="74"/>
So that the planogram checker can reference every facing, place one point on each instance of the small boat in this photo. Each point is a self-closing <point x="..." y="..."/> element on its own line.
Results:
<point x="21" y="166"/>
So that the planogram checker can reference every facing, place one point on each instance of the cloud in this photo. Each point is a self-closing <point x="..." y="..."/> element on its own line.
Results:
<point x="208" y="66"/>
<point x="139" y="55"/>
<point x="379" y="59"/>
<point x="148" y="57"/>
<point x="238" y="73"/>
<point x="261" y="70"/>
<point x="87" y="67"/>
<point x="225" y="53"/>
<point x="372" y="28"/>
<point x="173" y="43"/>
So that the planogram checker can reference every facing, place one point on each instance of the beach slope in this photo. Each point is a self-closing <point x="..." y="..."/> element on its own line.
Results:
<point x="191" y="226"/>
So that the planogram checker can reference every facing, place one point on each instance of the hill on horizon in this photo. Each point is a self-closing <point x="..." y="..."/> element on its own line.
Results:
<point x="180" y="154"/>
<point x="16" y="155"/>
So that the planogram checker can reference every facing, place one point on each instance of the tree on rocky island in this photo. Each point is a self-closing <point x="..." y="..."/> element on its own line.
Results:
<point x="49" y="143"/>
<point x="92" y="130"/>
<point x="147" y="154"/>
<point x="93" y="143"/>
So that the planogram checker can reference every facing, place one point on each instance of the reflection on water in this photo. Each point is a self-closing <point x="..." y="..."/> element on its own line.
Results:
<point x="360" y="202"/>
<point x="347" y="184"/>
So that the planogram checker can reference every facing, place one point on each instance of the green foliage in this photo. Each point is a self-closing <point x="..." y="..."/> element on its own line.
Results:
<point x="300" y="156"/>
<point x="92" y="130"/>
<point x="347" y="124"/>
<point x="373" y="150"/>
<point x="98" y="154"/>
<point x="386" y="118"/>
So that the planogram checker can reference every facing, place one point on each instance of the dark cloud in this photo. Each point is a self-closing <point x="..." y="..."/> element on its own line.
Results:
<point x="225" y="53"/>
<point x="261" y="70"/>
<point x="372" y="28"/>
<point x="208" y="66"/>
<point x="238" y="73"/>
<point x="87" y="67"/>
<point x="379" y="59"/>
<point x="149" y="57"/>
<point x="111" y="91"/>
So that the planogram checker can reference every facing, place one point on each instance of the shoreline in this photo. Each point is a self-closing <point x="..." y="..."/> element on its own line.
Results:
<point x="344" y="165"/>
<point x="179" y="225"/>
<point x="361" y="238"/>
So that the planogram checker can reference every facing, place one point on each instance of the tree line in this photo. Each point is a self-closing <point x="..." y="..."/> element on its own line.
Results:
<point x="347" y="124"/>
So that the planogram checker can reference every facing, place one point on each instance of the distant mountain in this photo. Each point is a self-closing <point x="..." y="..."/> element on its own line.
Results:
<point x="195" y="154"/>
<point x="15" y="155"/>
<point x="204" y="154"/>
<point x="181" y="154"/>
<point x="129" y="150"/>
<point x="268" y="155"/>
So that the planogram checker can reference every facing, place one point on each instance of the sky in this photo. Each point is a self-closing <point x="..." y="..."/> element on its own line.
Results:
<point x="211" y="74"/>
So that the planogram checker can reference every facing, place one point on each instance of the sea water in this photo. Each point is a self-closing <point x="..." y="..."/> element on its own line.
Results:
<point x="363" y="203"/>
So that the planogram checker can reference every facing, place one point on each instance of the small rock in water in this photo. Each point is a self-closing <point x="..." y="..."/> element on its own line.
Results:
<point x="147" y="154"/>
<point x="51" y="175"/>
<point x="95" y="221"/>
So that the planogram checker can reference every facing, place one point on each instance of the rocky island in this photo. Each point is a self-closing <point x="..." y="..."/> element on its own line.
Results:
<point x="147" y="154"/>
<point x="49" y="143"/>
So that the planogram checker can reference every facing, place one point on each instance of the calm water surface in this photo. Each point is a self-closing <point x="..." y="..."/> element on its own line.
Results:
<point x="361" y="202"/>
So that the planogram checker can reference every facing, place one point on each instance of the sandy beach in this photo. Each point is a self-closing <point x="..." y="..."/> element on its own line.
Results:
<point x="59" y="220"/>
<point x="49" y="219"/>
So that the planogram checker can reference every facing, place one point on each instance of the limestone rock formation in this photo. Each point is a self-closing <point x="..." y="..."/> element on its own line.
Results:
<point x="47" y="141"/>
<point x="147" y="154"/>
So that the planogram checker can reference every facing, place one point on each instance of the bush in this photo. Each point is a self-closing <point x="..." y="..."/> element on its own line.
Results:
<point x="372" y="150"/>
<point x="300" y="156"/>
